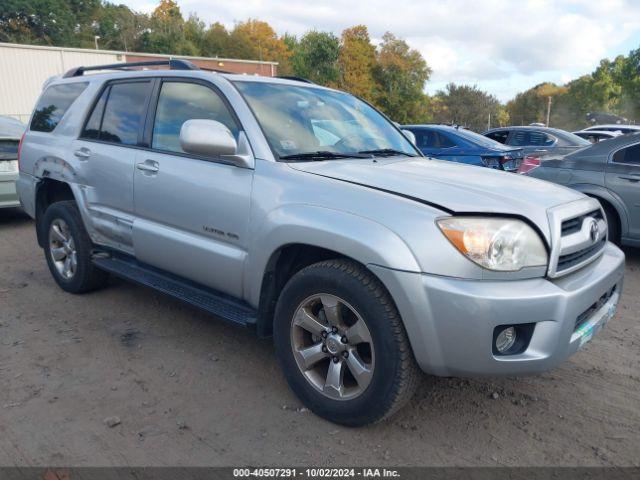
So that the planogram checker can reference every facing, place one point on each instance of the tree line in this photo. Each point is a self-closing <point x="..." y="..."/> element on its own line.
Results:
<point x="390" y="75"/>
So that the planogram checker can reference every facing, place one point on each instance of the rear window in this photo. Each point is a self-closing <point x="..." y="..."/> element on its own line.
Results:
<point x="523" y="138"/>
<point x="53" y="104"/>
<point x="8" y="149"/>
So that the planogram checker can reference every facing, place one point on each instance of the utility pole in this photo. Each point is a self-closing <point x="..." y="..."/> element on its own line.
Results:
<point x="489" y="122"/>
<point x="548" y="109"/>
<point x="95" y="39"/>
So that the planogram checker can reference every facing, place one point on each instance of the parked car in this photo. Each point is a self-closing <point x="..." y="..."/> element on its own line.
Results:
<point x="538" y="141"/>
<point x="610" y="172"/>
<point x="458" y="144"/>
<point x="595" y="136"/>
<point x="11" y="131"/>
<point x="614" y="127"/>
<point x="364" y="260"/>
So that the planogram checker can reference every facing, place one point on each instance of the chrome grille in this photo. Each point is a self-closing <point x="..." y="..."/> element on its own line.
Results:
<point x="579" y="235"/>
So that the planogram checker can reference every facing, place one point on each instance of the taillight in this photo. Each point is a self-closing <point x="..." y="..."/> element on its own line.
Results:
<point x="20" y="148"/>
<point x="528" y="164"/>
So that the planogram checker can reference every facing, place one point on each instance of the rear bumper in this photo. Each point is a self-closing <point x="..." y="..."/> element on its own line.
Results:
<point x="450" y="322"/>
<point x="8" y="194"/>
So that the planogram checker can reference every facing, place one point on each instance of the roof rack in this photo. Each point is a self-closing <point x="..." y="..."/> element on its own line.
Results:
<point x="297" y="79"/>
<point x="174" y="64"/>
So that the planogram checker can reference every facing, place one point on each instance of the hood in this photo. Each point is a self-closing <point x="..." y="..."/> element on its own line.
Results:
<point x="449" y="186"/>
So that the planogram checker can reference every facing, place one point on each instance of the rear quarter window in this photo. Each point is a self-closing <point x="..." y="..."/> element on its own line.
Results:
<point x="53" y="104"/>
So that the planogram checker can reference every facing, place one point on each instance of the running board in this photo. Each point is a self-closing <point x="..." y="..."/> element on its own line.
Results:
<point x="209" y="300"/>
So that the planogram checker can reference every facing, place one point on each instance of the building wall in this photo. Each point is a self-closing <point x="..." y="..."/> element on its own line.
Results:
<point x="25" y="68"/>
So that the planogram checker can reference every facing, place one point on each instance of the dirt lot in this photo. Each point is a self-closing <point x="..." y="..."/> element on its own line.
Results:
<point x="191" y="390"/>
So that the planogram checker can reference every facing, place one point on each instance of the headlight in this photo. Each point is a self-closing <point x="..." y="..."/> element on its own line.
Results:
<point x="502" y="244"/>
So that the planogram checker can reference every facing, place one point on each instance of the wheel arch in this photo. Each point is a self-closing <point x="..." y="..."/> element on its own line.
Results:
<point x="319" y="234"/>
<point x="608" y="199"/>
<point x="49" y="191"/>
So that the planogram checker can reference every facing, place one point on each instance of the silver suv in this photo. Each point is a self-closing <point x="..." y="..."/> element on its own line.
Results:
<point x="305" y="214"/>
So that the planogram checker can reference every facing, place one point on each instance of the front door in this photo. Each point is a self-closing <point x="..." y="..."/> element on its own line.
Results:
<point x="191" y="213"/>
<point x="623" y="178"/>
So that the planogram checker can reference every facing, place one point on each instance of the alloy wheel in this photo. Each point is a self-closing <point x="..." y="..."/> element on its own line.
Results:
<point x="332" y="346"/>
<point x="63" y="249"/>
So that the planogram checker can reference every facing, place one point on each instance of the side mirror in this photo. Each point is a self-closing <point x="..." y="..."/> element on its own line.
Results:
<point x="213" y="139"/>
<point x="410" y="136"/>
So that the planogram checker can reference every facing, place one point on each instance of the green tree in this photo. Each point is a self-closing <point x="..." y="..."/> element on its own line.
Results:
<point x="356" y="61"/>
<point x="400" y="74"/>
<point x="467" y="106"/>
<point x="316" y="57"/>
<point x="43" y="22"/>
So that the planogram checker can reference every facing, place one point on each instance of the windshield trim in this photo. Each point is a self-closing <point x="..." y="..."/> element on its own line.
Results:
<point x="314" y="86"/>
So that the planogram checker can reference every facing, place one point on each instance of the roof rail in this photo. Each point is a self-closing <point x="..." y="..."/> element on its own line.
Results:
<point x="297" y="79"/>
<point x="174" y="64"/>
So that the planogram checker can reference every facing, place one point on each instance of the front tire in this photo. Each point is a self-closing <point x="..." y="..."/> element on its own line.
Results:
<point x="68" y="249"/>
<point x="341" y="344"/>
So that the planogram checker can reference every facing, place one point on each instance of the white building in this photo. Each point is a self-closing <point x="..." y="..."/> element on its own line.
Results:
<point x="24" y="69"/>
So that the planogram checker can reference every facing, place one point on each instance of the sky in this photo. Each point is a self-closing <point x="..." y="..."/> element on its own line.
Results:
<point x="504" y="47"/>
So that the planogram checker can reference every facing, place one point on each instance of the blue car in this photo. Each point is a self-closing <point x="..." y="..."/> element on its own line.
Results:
<point x="458" y="144"/>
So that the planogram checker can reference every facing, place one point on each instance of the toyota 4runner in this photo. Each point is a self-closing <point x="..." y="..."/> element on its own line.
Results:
<point x="304" y="213"/>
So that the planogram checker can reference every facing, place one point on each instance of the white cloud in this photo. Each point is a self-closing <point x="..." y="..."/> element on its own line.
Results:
<point x="462" y="40"/>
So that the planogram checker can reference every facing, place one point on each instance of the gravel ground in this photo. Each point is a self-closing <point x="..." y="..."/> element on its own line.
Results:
<point x="126" y="376"/>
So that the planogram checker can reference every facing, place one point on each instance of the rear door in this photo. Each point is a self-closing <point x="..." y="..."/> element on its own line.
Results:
<point x="192" y="212"/>
<point x="106" y="151"/>
<point x="623" y="178"/>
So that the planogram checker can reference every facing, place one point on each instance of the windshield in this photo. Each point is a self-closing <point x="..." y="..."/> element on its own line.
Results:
<point x="306" y="120"/>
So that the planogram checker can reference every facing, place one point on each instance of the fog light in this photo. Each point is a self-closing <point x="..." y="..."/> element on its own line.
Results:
<point x="505" y="339"/>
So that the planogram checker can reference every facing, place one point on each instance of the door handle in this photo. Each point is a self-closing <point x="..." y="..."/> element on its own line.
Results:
<point x="148" y="166"/>
<point x="82" y="153"/>
<point x="541" y="150"/>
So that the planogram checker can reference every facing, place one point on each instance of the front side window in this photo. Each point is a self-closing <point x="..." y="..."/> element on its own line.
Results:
<point x="629" y="155"/>
<point x="179" y="102"/>
<point x="53" y="104"/>
<point x="118" y="114"/>
<point x="303" y="120"/>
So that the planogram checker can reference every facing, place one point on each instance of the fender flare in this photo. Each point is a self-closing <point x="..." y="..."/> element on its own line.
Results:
<point x="353" y="236"/>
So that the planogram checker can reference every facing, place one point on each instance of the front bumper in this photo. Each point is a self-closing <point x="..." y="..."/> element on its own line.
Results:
<point x="450" y="322"/>
<point x="8" y="194"/>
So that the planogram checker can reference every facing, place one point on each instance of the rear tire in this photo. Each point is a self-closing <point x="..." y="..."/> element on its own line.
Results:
<point x="368" y="332"/>
<point x="68" y="249"/>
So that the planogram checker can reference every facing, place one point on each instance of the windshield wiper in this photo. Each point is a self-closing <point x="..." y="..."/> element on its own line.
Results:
<point x="321" y="155"/>
<point x="386" y="152"/>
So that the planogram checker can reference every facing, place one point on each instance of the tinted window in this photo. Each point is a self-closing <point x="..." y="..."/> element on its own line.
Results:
<point x="92" y="128"/>
<point x="499" y="136"/>
<point x="8" y="149"/>
<point x="179" y="102"/>
<point x="629" y="155"/>
<point x="123" y="112"/>
<point x="432" y="139"/>
<point x="53" y="104"/>
<point x="524" y="138"/>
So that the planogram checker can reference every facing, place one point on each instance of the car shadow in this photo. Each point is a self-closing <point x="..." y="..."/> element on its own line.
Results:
<point x="13" y="216"/>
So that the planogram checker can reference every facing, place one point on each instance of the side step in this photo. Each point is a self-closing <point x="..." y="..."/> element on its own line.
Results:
<point x="217" y="303"/>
